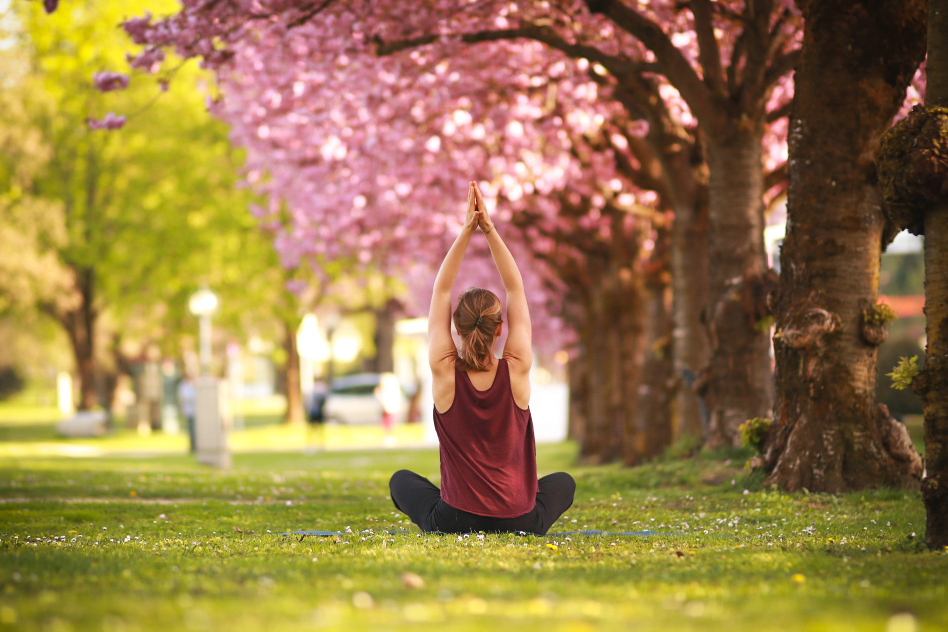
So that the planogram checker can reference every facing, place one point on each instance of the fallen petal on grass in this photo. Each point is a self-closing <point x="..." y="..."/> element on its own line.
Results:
<point x="412" y="580"/>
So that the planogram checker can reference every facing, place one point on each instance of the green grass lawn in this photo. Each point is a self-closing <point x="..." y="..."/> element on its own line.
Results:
<point x="130" y="542"/>
<point x="31" y="431"/>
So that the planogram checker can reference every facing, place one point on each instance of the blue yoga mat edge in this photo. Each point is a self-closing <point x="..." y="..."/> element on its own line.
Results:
<point x="521" y="533"/>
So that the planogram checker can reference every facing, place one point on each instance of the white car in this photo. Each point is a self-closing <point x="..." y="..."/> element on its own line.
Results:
<point x="364" y="398"/>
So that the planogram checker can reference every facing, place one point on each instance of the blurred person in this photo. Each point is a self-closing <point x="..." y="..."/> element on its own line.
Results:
<point x="315" y="414"/>
<point x="317" y="399"/>
<point x="187" y="406"/>
<point x="482" y="407"/>
<point x="389" y="394"/>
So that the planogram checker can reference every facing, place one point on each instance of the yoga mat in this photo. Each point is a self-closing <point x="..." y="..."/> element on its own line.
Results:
<point x="548" y="535"/>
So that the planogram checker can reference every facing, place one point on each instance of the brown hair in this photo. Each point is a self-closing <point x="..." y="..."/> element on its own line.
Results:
<point x="476" y="318"/>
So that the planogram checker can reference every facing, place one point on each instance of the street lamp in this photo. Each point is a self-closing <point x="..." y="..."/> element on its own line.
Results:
<point x="210" y="436"/>
<point x="204" y="304"/>
<point x="346" y="343"/>
<point x="312" y="348"/>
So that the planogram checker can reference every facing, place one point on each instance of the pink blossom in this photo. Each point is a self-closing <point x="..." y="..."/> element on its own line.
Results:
<point x="149" y="60"/>
<point x="107" y="81"/>
<point x="363" y="158"/>
<point x="296" y="286"/>
<point x="138" y="28"/>
<point x="110" y="121"/>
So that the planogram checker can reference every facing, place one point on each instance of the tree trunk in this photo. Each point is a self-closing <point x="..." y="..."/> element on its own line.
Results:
<point x="385" y="317"/>
<point x="689" y="349"/>
<point x="120" y="366"/>
<point x="107" y="382"/>
<point x="739" y="377"/>
<point x="830" y="434"/>
<point x="577" y="369"/>
<point x="932" y="385"/>
<point x="629" y="313"/>
<point x="653" y="414"/>
<point x="294" y="394"/>
<point x="610" y="364"/>
<point x="673" y="156"/>
<point x="596" y="340"/>
<point x="79" y="324"/>
<point x="613" y="374"/>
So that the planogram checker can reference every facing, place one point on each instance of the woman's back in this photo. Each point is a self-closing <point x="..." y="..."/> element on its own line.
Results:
<point x="488" y="454"/>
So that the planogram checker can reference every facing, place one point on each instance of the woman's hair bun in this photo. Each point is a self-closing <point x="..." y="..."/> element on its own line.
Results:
<point x="477" y="317"/>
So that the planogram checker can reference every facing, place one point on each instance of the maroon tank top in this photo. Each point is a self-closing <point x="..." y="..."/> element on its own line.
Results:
<point x="488" y="452"/>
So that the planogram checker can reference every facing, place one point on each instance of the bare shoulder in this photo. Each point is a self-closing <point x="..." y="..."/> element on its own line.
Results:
<point x="519" y="381"/>
<point x="442" y="383"/>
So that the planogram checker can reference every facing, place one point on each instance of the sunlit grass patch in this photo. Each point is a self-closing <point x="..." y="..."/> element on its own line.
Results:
<point x="160" y="543"/>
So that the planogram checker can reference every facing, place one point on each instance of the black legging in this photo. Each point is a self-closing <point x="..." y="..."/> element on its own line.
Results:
<point x="421" y="501"/>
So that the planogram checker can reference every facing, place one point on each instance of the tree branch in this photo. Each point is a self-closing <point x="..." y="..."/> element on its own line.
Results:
<point x="738" y="51"/>
<point x="729" y="14"/>
<point x="775" y="177"/>
<point x="756" y="49"/>
<point x="670" y="61"/>
<point x="781" y="66"/>
<point x="708" y="52"/>
<point x="777" y="35"/>
<point x="314" y="10"/>
<point x="779" y="113"/>
<point x="615" y="65"/>
<point x="674" y="64"/>
<point x="650" y="175"/>
<point x="52" y="311"/>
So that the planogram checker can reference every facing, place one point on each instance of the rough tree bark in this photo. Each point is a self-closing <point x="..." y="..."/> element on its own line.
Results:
<point x="653" y="415"/>
<point x="830" y="434"/>
<point x="294" y="393"/>
<point x="594" y="342"/>
<point x="739" y="383"/>
<point x="932" y="385"/>
<point x="913" y="162"/>
<point x="610" y="335"/>
<point x="690" y="350"/>
<point x="935" y="397"/>
<point x="578" y="399"/>
<point x="629" y="314"/>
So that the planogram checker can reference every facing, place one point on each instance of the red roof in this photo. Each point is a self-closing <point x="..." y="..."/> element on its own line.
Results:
<point x="905" y="306"/>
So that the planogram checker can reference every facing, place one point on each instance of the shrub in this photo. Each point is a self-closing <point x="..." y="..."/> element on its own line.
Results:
<point x="754" y="432"/>
<point x="904" y="372"/>
<point x="11" y="382"/>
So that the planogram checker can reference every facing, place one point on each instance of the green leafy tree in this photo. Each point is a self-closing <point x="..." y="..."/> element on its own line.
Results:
<point x="108" y="233"/>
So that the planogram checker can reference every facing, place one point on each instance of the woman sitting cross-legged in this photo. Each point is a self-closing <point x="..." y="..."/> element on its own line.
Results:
<point x="481" y="408"/>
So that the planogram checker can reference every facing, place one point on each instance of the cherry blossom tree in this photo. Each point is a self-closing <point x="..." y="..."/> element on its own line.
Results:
<point x="730" y="101"/>
<point x="324" y="165"/>
<point x="516" y="131"/>
<point x="721" y="65"/>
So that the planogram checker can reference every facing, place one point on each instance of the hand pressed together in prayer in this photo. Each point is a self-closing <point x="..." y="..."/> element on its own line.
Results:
<point x="477" y="211"/>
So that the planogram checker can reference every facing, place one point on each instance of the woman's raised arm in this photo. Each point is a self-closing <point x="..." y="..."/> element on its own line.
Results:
<point x="519" y="348"/>
<point x="441" y="349"/>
